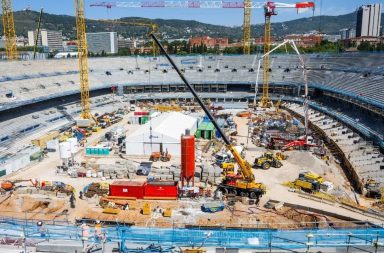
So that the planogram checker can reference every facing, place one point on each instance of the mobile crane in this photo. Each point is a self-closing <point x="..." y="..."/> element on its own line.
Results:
<point x="242" y="184"/>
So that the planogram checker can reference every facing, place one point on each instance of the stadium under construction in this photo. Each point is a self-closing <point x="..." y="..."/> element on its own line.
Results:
<point x="195" y="153"/>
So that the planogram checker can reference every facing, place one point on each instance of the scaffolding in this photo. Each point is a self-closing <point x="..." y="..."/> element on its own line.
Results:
<point x="364" y="237"/>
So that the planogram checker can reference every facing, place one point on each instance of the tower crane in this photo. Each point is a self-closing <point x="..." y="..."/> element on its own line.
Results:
<point x="83" y="60"/>
<point x="151" y="25"/>
<point x="9" y="29"/>
<point x="269" y="11"/>
<point x="247" y="5"/>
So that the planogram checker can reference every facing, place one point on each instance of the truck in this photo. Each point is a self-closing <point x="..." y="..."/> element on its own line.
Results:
<point x="228" y="156"/>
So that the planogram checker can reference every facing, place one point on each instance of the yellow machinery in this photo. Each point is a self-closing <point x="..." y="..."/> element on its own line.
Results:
<point x="228" y="168"/>
<point x="309" y="181"/>
<point x="194" y="251"/>
<point x="243" y="184"/>
<point x="267" y="160"/>
<point x="9" y="29"/>
<point x="146" y="209"/>
<point x="83" y="60"/>
<point x="151" y="25"/>
<point x="167" y="212"/>
<point x="167" y="108"/>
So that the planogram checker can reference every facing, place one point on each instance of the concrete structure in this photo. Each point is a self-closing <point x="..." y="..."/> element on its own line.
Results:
<point x="368" y="20"/>
<point x="160" y="133"/>
<point x="209" y="42"/>
<point x="347" y="33"/>
<point x="48" y="38"/>
<point x="102" y="41"/>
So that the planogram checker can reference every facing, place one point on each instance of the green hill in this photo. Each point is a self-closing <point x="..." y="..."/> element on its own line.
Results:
<point x="175" y="28"/>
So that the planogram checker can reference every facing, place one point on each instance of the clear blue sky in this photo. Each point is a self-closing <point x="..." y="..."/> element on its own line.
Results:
<point x="227" y="17"/>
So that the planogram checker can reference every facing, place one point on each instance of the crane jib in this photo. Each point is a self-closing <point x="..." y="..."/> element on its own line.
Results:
<point x="200" y="102"/>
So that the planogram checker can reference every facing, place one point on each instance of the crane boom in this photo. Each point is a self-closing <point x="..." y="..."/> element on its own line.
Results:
<point x="245" y="167"/>
<point x="151" y="25"/>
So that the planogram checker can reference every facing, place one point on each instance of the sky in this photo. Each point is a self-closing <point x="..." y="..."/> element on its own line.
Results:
<point x="227" y="17"/>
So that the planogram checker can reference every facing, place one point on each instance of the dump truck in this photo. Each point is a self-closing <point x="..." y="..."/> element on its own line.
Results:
<point x="266" y="161"/>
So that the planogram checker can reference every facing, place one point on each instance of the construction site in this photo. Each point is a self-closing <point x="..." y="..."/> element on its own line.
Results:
<point x="214" y="154"/>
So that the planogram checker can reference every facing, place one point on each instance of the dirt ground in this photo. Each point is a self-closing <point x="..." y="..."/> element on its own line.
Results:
<point x="184" y="211"/>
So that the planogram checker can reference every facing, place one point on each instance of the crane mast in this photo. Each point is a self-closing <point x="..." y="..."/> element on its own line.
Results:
<point x="269" y="11"/>
<point x="9" y="29"/>
<point x="83" y="60"/>
<point x="247" y="27"/>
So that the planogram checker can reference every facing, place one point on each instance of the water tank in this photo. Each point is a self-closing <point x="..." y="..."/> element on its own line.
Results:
<point x="187" y="158"/>
<point x="65" y="150"/>
<point x="74" y="145"/>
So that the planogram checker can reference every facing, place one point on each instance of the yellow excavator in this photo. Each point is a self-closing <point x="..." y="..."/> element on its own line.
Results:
<point x="241" y="184"/>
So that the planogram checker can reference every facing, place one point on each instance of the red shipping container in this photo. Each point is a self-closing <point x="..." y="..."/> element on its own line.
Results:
<point x="161" y="190"/>
<point x="127" y="189"/>
<point x="140" y="113"/>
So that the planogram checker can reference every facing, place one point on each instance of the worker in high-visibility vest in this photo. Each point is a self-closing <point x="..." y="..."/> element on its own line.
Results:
<point x="98" y="235"/>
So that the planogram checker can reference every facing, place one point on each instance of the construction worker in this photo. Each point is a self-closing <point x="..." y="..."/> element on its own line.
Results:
<point x="84" y="235"/>
<point x="98" y="235"/>
<point x="41" y="228"/>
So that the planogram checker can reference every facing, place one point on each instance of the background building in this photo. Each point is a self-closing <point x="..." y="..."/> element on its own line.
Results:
<point x="126" y="43"/>
<point x="48" y="38"/>
<point x="347" y="33"/>
<point x="102" y="41"/>
<point x="209" y="42"/>
<point x="305" y="40"/>
<point x="368" y="21"/>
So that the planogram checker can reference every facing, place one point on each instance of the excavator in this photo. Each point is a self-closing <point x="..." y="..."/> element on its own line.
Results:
<point x="241" y="184"/>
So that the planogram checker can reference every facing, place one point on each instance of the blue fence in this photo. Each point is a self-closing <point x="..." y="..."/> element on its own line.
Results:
<point x="233" y="238"/>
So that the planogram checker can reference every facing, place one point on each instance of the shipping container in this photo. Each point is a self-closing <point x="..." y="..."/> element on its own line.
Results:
<point x="128" y="189"/>
<point x="161" y="190"/>
<point x="42" y="141"/>
<point x="140" y="113"/>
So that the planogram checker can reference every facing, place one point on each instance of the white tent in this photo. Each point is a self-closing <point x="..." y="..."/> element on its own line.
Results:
<point x="163" y="132"/>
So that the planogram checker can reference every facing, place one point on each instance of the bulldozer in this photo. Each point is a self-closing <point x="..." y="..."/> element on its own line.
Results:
<point x="267" y="160"/>
<point x="162" y="156"/>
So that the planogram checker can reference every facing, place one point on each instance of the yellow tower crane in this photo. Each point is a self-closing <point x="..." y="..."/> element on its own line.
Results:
<point x="152" y="26"/>
<point x="247" y="27"/>
<point x="83" y="60"/>
<point x="9" y="29"/>
<point x="269" y="11"/>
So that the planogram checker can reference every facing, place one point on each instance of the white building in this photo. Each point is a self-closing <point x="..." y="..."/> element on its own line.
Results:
<point x="102" y="41"/>
<point x="163" y="132"/>
<point x="48" y="38"/>
<point x="368" y="21"/>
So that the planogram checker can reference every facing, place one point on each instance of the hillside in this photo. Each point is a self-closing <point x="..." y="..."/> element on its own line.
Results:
<point x="174" y="28"/>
